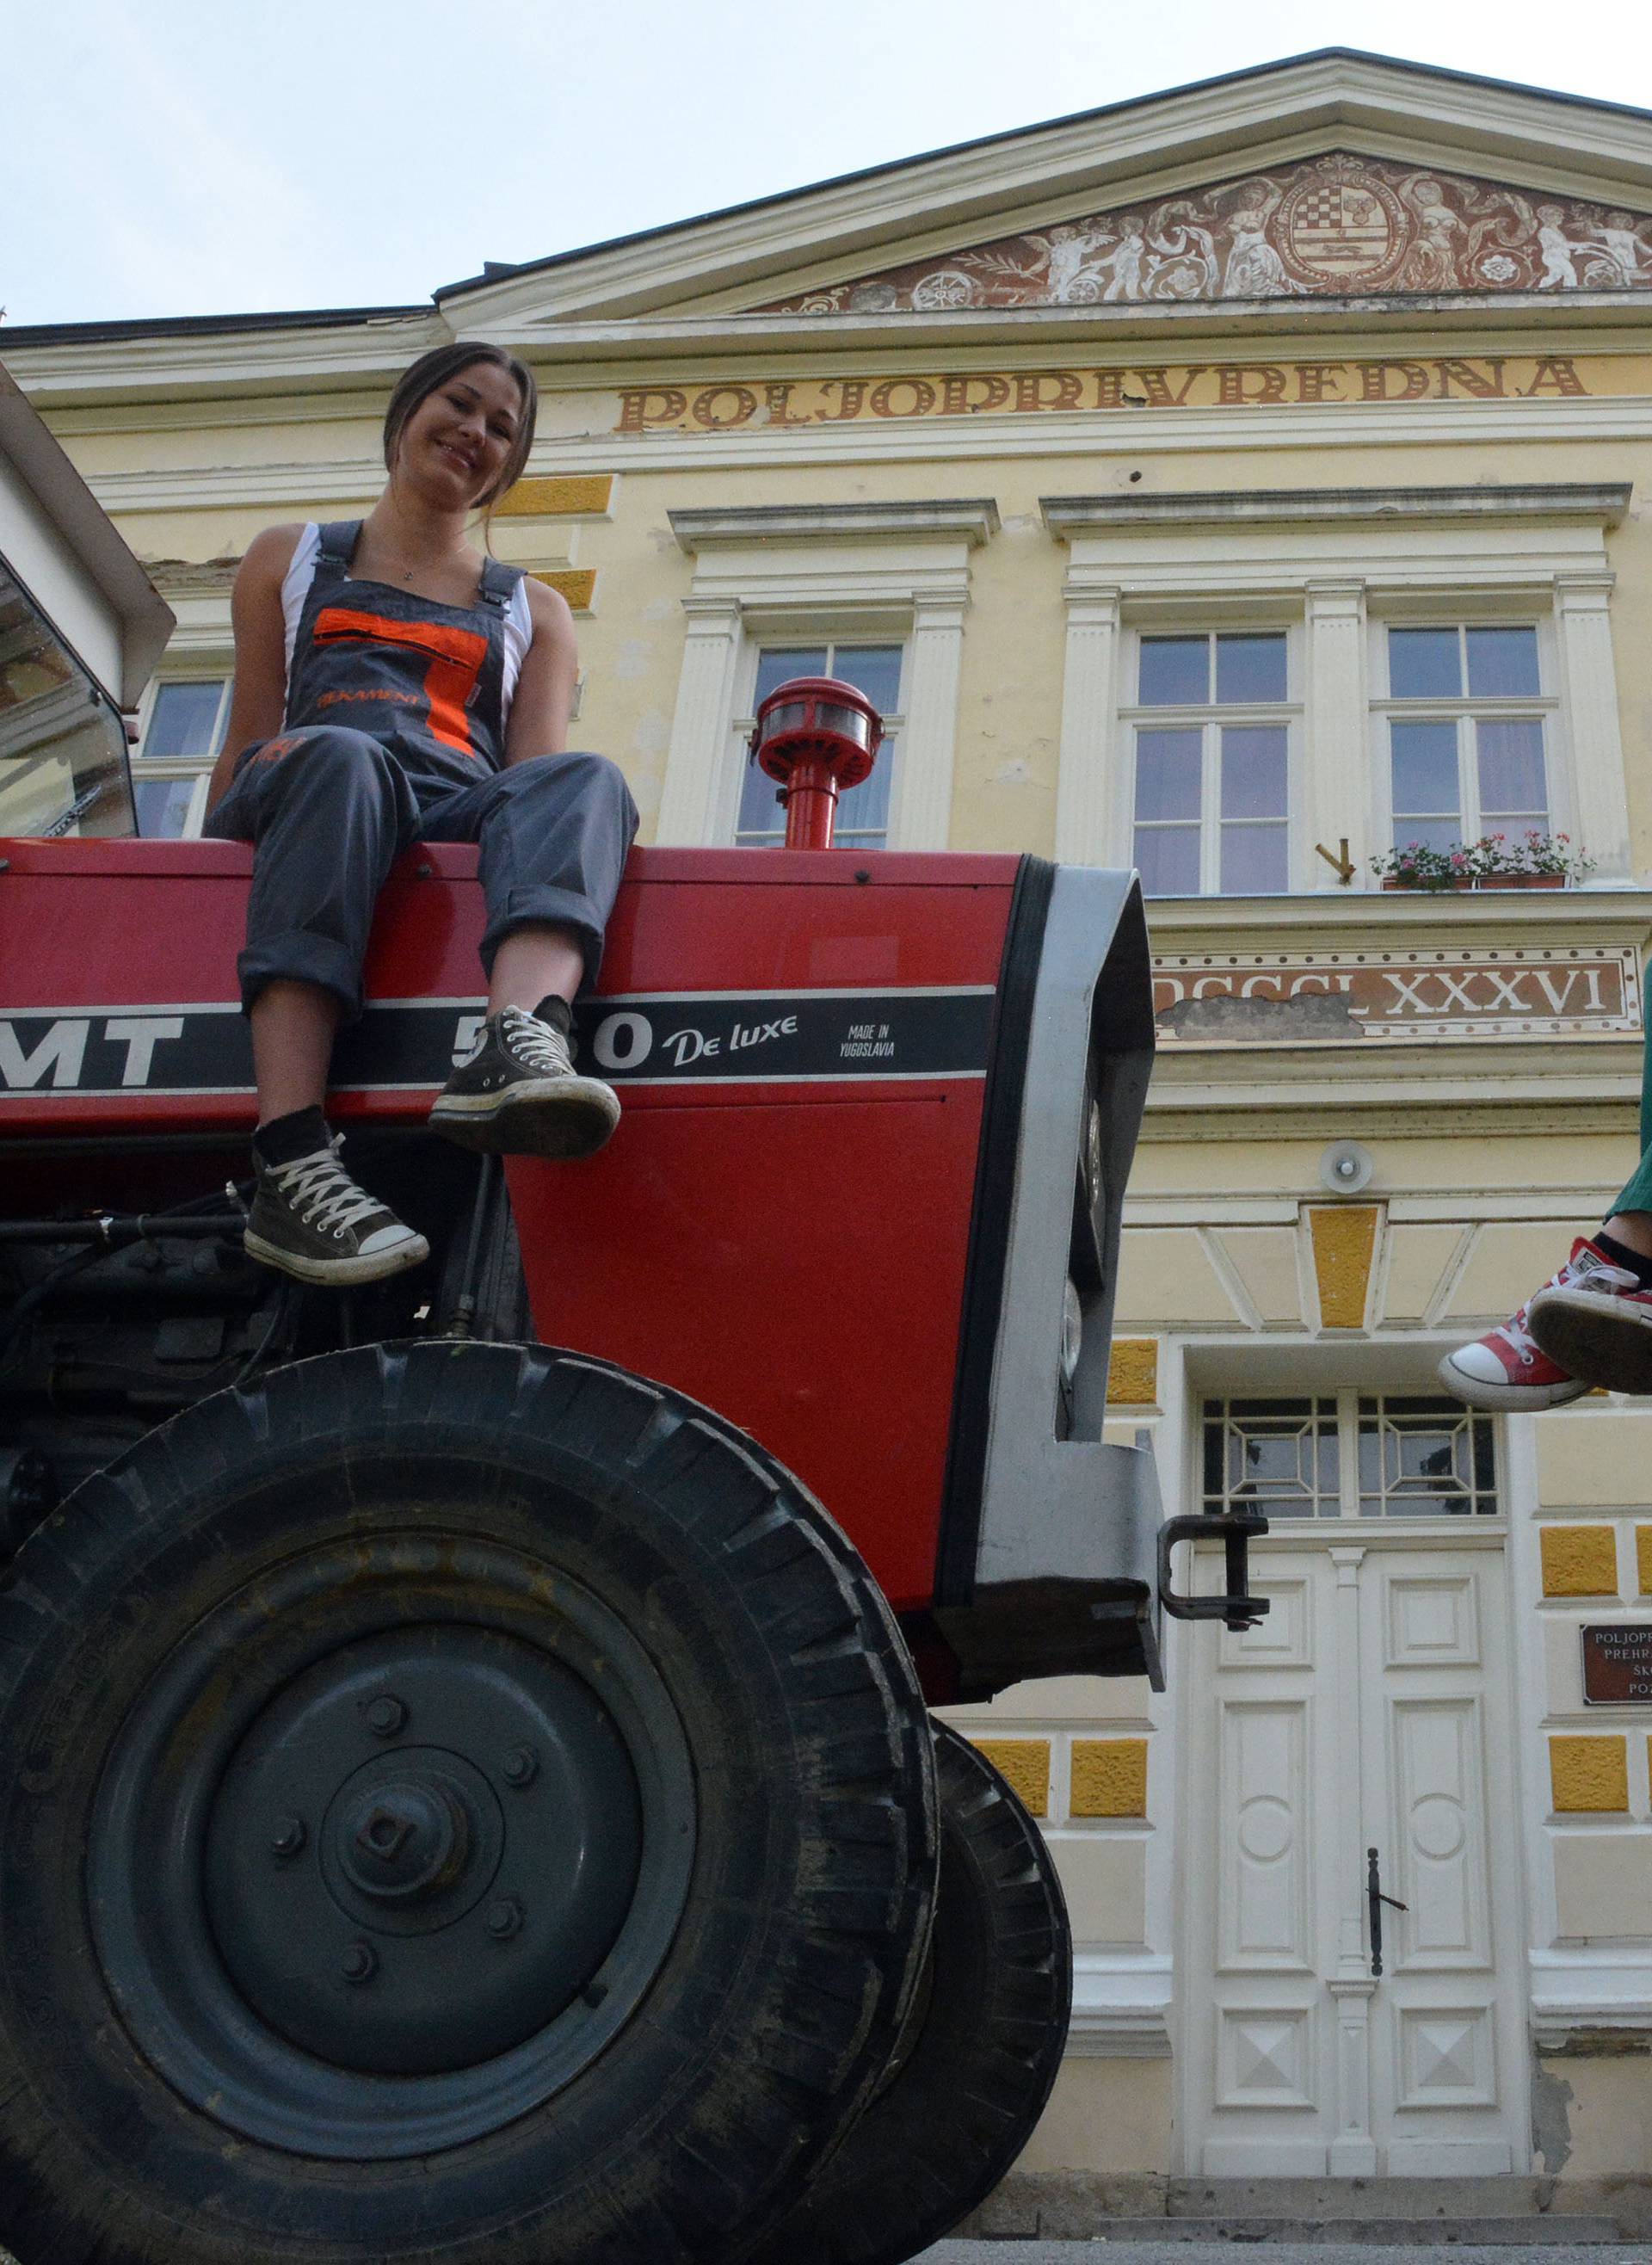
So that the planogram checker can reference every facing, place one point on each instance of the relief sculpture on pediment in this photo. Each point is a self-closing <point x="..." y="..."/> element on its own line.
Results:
<point x="1338" y="225"/>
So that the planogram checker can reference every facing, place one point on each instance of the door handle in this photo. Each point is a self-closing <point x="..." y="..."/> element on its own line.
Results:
<point x="1374" y="1901"/>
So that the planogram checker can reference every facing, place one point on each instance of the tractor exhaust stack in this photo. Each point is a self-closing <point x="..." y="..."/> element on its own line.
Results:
<point x="815" y="736"/>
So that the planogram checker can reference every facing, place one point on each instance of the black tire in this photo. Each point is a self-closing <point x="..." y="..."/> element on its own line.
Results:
<point x="967" y="2089"/>
<point x="212" y="1630"/>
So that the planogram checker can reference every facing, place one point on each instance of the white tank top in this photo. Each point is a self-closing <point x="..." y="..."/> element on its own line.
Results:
<point x="519" y="621"/>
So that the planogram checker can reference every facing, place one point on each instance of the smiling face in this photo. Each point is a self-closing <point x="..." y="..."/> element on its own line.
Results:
<point x="458" y="442"/>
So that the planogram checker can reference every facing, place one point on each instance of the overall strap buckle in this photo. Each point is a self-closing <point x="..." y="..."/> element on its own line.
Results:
<point x="499" y="584"/>
<point x="335" y="547"/>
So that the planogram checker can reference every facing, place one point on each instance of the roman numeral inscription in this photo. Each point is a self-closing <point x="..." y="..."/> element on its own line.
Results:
<point x="1273" y="999"/>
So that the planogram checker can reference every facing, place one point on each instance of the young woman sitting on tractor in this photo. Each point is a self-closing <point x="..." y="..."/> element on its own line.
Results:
<point x="394" y="684"/>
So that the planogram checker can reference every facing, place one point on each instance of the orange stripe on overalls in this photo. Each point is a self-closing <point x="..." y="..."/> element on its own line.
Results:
<point x="450" y="681"/>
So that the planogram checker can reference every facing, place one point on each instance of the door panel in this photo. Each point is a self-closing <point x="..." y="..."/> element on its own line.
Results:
<point x="1438" y="1835"/>
<point x="1264" y="1838"/>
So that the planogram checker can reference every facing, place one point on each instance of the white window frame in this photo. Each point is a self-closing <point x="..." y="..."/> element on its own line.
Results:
<point x="155" y="768"/>
<point x="1210" y="720"/>
<point x="827" y="573"/>
<point x="1343" y="1405"/>
<point x="1471" y="610"/>
<point x="756" y="642"/>
<point x="1340" y="557"/>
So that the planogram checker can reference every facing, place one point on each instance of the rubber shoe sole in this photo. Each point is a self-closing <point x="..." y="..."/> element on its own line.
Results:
<point x="1508" y="1399"/>
<point x="339" y="1273"/>
<point x="560" y="1116"/>
<point x="1601" y="1340"/>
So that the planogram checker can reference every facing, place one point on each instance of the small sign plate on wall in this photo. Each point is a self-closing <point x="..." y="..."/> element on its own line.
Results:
<point x="1618" y="1665"/>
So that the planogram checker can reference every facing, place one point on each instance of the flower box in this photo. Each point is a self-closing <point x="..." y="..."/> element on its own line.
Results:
<point x="1536" y="861"/>
<point x="1495" y="881"/>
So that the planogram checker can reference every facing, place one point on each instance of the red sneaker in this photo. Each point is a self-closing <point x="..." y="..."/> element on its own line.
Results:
<point x="1510" y="1368"/>
<point x="1596" y="1323"/>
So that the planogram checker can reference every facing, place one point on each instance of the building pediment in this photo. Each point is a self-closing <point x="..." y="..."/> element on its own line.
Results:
<point x="1343" y="224"/>
<point x="1333" y="175"/>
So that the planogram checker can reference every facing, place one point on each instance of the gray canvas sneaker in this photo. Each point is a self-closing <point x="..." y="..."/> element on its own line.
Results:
<point x="520" y="1095"/>
<point x="311" y="1220"/>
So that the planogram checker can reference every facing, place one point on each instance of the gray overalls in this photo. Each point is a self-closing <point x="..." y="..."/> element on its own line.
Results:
<point x="394" y="733"/>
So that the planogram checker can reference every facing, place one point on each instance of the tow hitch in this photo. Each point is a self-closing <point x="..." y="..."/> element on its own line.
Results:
<point x="1237" y="1609"/>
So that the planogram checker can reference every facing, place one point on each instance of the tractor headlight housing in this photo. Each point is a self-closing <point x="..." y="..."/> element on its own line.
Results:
<point x="1072" y="1331"/>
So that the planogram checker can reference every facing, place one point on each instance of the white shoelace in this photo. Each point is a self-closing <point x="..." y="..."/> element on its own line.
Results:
<point x="539" y="1045"/>
<point x="323" y="1193"/>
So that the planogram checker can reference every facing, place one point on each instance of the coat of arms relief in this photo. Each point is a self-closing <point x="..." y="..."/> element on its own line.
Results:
<point x="1338" y="225"/>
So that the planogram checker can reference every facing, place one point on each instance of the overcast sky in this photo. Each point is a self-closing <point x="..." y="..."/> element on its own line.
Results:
<point x="209" y="156"/>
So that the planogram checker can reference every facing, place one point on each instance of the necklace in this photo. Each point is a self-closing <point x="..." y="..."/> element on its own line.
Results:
<point x="406" y="573"/>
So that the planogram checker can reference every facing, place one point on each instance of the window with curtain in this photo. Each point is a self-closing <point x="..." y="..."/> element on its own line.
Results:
<point x="1466" y="720"/>
<point x="1211" y="732"/>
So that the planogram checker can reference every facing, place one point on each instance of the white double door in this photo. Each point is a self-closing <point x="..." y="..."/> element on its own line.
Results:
<point x="1369" y="1709"/>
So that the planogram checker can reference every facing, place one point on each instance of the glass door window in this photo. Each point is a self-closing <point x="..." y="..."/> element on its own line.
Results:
<point x="1350" y="1454"/>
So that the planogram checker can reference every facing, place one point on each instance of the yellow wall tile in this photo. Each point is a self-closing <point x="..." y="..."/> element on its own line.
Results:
<point x="558" y="497"/>
<point x="1025" y="1763"/>
<point x="577" y="584"/>
<point x="1580" y="1561"/>
<point x="1344" y="1243"/>
<point x="1132" y="1372"/>
<point x="1588" y="1774"/>
<point x="1109" y="1777"/>
<point x="1643" y="1557"/>
<point x="1603" y="1457"/>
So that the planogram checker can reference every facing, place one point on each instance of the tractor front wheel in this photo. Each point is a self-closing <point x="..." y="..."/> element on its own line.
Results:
<point x="457" y="1802"/>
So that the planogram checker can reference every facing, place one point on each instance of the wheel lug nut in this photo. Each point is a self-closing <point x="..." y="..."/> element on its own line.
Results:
<point x="386" y="1716"/>
<point x="505" y="1920"/>
<point x="520" y="1766"/>
<point x="288" y="1837"/>
<point x="361" y="1963"/>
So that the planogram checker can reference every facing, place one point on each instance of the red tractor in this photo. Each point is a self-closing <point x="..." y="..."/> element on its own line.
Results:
<point x="461" y="1800"/>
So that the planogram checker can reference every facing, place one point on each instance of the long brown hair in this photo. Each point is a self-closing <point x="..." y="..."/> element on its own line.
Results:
<point x="432" y="370"/>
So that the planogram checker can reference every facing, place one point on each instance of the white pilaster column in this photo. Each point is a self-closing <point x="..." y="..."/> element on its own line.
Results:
<point x="920" y="799"/>
<point x="1332" y="791"/>
<point x="1353" y="2150"/>
<point x="1583" y="621"/>
<point x="689" y="799"/>
<point x="1086" y="792"/>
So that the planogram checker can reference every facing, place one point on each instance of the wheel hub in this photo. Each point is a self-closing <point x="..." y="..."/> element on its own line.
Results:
<point x="388" y="1885"/>
<point x="407" y="1837"/>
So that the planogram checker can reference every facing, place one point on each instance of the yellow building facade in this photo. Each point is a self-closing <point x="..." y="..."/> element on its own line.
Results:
<point x="1238" y="483"/>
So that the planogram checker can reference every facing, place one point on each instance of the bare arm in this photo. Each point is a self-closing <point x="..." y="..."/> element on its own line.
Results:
<point x="543" y="699"/>
<point x="259" y="699"/>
